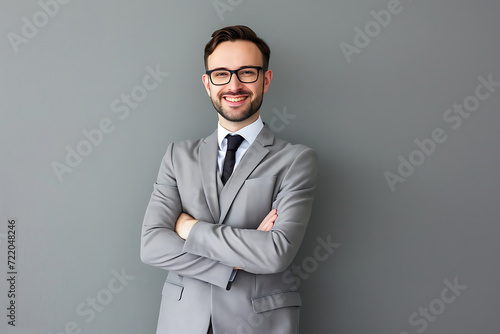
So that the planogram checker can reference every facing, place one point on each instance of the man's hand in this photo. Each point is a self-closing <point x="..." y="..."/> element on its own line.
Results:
<point x="184" y="224"/>
<point x="267" y="223"/>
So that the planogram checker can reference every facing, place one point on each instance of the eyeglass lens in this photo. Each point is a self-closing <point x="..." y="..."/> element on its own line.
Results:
<point x="245" y="75"/>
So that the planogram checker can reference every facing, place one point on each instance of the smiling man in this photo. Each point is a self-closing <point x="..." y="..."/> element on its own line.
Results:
<point x="237" y="101"/>
<point x="228" y="212"/>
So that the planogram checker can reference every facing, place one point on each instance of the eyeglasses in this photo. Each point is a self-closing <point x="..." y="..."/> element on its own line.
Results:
<point x="245" y="74"/>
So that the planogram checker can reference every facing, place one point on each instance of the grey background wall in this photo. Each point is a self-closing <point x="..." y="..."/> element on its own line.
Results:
<point x="393" y="95"/>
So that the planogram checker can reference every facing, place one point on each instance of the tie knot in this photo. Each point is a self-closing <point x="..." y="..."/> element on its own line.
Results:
<point x="233" y="142"/>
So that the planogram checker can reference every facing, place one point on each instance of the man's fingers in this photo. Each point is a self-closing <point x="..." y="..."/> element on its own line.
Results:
<point x="269" y="216"/>
<point x="267" y="226"/>
<point x="263" y="224"/>
<point x="268" y="221"/>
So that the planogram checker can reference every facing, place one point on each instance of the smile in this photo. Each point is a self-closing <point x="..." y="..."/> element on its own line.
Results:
<point x="235" y="99"/>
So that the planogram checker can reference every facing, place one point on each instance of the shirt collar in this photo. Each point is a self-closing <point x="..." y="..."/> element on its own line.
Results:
<point x="249" y="132"/>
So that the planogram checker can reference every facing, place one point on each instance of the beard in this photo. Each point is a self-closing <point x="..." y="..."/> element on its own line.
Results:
<point x="248" y="112"/>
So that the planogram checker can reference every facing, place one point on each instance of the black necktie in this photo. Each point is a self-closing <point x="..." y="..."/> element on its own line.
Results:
<point x="233" y="142"/>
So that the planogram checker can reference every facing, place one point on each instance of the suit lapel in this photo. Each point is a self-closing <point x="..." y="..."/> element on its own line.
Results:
<point x="251" y="159"/>
<point x="208" y="168"/>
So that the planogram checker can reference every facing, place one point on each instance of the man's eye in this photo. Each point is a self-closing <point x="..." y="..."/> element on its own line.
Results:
<point x="247" y="72"/>
<point x="220" y="74"/>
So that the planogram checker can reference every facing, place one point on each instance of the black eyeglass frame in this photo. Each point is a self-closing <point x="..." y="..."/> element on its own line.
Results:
<point x="209" y="73"/>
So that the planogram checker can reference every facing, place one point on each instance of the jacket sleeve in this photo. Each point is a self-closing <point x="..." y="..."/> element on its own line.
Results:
<point x="161" y="246"/>
<point x="261" y="252"/>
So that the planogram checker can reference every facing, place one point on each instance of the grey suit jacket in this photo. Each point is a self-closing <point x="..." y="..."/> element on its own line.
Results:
<point x="271" y="174"/>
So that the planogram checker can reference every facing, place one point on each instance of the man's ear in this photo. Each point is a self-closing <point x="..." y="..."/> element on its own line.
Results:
<point x="206" y="82"/>
<point x="267" y="80"/>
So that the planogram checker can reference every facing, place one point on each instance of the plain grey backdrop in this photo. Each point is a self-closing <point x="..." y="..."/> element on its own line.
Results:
<point x="394" y="96"/>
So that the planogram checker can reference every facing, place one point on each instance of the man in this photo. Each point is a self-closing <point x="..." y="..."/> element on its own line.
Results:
<point x="228" y="212"/>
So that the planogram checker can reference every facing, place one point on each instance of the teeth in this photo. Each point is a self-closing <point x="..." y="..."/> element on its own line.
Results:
<point x="235" y="99"/>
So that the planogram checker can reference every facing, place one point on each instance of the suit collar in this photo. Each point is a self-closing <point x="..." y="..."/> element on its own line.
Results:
<point x="219" y="204"/>
<point x="208" y="169"/>
<point x="266" y="136"/>
<point x="250" y="160"/>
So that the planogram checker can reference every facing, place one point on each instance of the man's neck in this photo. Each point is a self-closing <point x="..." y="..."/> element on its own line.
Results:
<point x="235" y="126"/>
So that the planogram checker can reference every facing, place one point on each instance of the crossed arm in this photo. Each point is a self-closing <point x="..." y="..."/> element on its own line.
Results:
<point x="174" y="241"/>
<point x="185" y="223"/>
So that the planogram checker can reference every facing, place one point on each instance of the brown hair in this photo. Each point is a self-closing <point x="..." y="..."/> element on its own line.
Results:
<point x="234" y="33"/>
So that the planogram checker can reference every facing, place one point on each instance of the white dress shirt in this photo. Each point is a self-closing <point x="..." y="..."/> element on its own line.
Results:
<point x="249" y="133"/>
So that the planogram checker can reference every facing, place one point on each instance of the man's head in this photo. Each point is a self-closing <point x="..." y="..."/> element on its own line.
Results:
<point x="236" y="48"/>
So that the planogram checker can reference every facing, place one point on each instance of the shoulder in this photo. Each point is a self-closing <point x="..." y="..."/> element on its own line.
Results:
<point x="183" y="152"/>
<point x="191" y="146"/>
<point x="282" y="147"/>
<point x="293" y="150"/>
<point x="187" y="145"/>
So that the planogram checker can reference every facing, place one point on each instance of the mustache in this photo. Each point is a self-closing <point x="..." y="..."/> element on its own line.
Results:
<point x="238" y="92"/>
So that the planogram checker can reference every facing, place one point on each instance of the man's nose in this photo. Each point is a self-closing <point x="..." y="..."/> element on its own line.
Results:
<point x="234" y="83"/>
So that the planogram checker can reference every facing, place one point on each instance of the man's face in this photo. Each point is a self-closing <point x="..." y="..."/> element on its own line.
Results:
<point x="237" y="103"/>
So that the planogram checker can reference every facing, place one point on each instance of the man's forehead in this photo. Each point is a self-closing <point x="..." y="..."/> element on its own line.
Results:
<point x="235" y="54"/>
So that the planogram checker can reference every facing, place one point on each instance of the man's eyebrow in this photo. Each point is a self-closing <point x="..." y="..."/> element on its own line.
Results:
<point x="219" y="68"/>
<point x="225" y="68"/>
